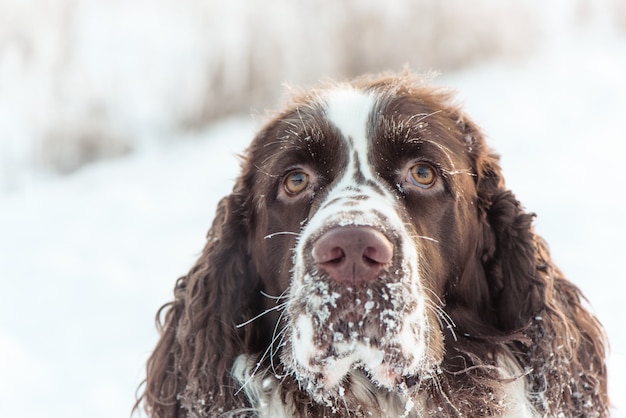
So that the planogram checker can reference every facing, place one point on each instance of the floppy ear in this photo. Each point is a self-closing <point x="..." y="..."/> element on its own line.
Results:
<point x="188" y="373"/>
<point x="530" y="294"/>
<point x="509" y="253"/>
<point x="509" y="291"/>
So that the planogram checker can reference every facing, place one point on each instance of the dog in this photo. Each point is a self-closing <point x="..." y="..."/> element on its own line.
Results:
<point x="370" y="261"/>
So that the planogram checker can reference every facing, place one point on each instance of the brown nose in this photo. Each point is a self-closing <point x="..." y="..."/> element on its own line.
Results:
<point x="352" y="254"/>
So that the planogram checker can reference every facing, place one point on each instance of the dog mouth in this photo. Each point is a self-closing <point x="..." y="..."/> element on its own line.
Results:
<point x="370" y="330"/>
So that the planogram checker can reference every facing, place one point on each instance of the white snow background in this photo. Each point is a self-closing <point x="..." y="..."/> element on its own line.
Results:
<point x="87" y="259"/>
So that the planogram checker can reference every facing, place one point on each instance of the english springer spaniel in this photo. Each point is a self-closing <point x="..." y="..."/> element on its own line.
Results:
<point x="370" y="262"/>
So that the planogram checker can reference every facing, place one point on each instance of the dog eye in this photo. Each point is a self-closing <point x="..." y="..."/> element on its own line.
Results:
<point x="296" y="182"/>
<point x="422" y="175"/>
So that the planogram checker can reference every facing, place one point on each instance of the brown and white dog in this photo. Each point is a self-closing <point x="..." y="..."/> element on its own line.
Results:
<point x="371" y="262"/>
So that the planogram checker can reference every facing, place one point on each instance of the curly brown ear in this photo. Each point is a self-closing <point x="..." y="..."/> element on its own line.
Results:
<point x="563" y="349"/>
<point x="507" y="250"/>
<point x="517" y="291"/>
<point x="190" y="368"/>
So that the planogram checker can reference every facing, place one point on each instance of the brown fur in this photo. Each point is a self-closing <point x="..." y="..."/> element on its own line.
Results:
<point x="505" y="294"/>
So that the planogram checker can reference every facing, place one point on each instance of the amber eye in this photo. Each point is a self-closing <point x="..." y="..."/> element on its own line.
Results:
<point x="422" y="175"/>
<point x="296" y="182"/>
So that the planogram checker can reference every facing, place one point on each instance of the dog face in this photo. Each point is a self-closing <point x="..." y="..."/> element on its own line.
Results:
<point x="371" y="195"/>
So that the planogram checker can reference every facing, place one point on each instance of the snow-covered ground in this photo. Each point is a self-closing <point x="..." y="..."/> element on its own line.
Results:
<point x="86" y="260"/>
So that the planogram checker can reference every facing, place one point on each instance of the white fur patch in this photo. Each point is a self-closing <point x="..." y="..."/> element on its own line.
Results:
<point x="349" y="111"/>
<point x="516" y="399"/>
<point x="302" y="339"/>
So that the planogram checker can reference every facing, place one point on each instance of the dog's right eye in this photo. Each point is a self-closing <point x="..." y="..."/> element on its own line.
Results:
<point x="295" y="182"/>
<point x="422" y="175"/>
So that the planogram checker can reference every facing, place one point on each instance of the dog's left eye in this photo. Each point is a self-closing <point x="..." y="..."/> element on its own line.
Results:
<point x="295" y="182"/>
<point x="422" y="175"/>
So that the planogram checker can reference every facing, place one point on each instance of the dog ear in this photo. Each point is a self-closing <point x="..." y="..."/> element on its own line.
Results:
<point x="530" y="294"/>
<point x="200" y="338"/>
<point x="508" y="251"/>
<point x="516" y="289"/>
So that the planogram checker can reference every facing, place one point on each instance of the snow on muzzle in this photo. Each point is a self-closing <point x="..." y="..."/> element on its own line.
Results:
<point x="356" y="301"/>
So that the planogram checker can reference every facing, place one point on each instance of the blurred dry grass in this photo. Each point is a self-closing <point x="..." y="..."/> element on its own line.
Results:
<point x="83" y="81"/>
<point x="301" y="42"/>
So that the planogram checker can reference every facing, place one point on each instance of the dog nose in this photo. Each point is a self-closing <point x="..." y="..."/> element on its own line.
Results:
<point x="352" y="254"/>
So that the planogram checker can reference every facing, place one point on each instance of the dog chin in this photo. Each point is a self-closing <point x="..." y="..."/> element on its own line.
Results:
<point x="327" y="371"/>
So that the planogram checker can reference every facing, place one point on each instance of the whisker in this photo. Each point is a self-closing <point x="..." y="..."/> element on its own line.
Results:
<point x="269" y="350"/>
<point x="447" y="152"/>
<point x="275" y="336"/>
<point x="445" y="317"/>
<point x="279" y="297"/>
<point x="423" y="117"/>
<point x="260" y="362"/>
<point x="272" y="235"/>
<point x="474" y="367"/>
<point x="252" y="375"/>
<point x="275" y="308"/>
<point x="260" y="170"/>
<point x="424" y="237"/>
<point x="427" y="238"/>
<point x="442" y="316"/>
<point x="467" y="171"/>
<point x="436" y="296"/>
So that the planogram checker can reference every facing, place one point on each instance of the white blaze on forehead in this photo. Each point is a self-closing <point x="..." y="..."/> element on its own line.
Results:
<point x="349" y="111"/>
